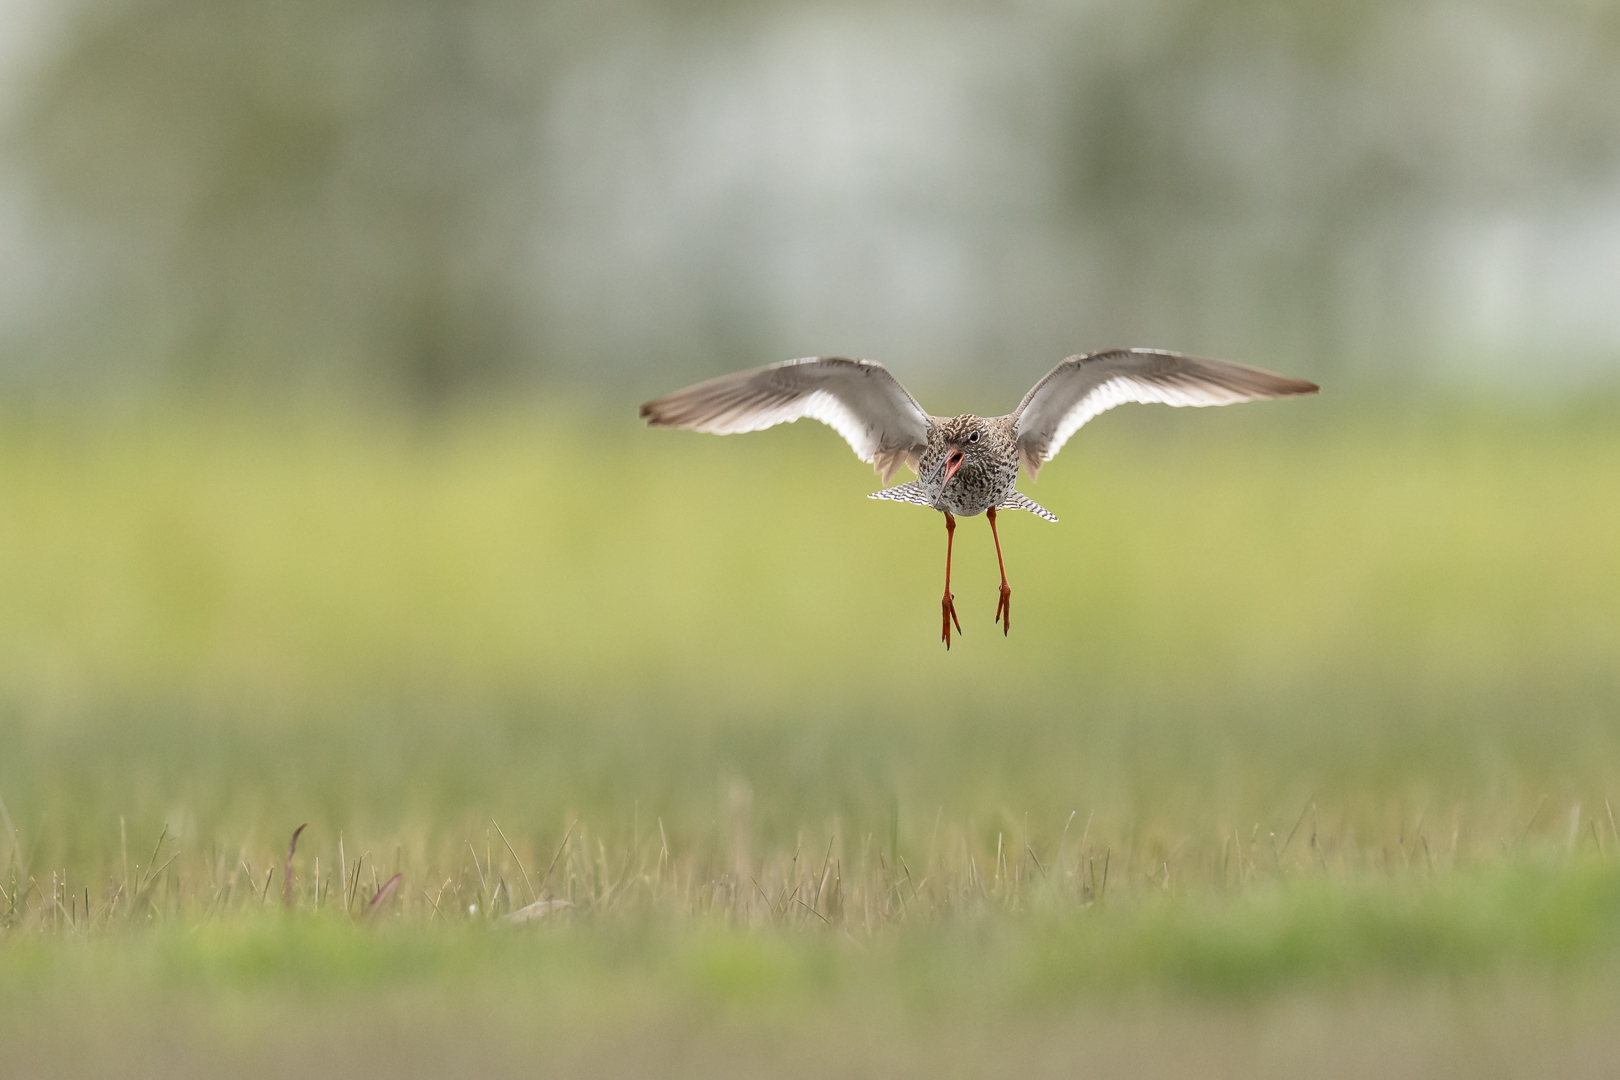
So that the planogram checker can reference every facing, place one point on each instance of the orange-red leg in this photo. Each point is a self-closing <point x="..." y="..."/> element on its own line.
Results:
<point x="1004" y="605"/>
<point x="948" y="605"/>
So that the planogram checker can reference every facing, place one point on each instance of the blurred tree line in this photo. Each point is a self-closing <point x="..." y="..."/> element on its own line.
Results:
<point x="275" y="183"/>
<point x="347" y="189"/>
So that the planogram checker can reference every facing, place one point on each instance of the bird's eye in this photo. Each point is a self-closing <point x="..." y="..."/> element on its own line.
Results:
<point x="973" y="437"/>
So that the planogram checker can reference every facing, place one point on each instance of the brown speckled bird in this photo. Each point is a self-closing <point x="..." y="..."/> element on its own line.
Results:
<point x="965" y="465"/>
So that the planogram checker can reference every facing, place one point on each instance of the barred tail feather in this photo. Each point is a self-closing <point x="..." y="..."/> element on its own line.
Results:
<point x="908" y="493"/>
<point x="1019" y="501"/>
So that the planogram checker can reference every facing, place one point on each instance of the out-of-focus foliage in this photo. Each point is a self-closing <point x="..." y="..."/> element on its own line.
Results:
<point x="1293" y="158"/>
<point x="286" y="183"/>
<point x="433" y="193"/>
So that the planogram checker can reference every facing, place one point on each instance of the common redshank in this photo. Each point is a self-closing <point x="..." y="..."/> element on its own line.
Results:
<point x="965" y="465"/>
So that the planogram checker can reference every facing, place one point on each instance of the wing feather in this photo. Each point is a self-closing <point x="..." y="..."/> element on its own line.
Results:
<point x="859" y="399"/>
<point x="1083" y="386"/>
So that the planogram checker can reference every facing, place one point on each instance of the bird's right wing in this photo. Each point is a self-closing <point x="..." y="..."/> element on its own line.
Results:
<point x="857" y="398"/>
<point x="1083" y="386"/>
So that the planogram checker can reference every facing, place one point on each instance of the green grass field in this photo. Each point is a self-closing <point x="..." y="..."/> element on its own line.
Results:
<point x="1302" y="755"/>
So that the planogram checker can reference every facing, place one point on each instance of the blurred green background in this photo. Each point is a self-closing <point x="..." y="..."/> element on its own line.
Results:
<point x="323" y="499"/>
<point x="409" y="198"/>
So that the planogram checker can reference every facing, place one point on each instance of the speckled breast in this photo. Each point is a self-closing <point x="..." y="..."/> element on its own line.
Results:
<point x="967" y="494"/>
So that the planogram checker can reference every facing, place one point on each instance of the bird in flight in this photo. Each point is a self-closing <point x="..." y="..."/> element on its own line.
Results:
<point x="965" y="465"/>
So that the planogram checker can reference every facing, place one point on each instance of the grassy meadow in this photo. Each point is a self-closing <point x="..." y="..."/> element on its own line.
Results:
<point x="1302" y="755"/>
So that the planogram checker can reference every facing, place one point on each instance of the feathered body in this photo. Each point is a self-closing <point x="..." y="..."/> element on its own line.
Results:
<point x="983" y="481"/>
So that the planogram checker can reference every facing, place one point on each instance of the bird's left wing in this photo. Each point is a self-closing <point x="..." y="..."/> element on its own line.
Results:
<point x="857" y="398"/>
<point x="1083" y="386"/>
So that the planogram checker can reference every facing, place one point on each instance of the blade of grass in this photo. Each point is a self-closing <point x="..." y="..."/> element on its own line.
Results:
<point x="382" y="895"/>
<point x="526" y="883"/>
<point x="286" y="869"/>
<point x="560" y="847"/>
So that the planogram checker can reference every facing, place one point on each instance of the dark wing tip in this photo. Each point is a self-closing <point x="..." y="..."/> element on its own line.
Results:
<point x="652" y="413"/>
<point x="1269" y="383"/>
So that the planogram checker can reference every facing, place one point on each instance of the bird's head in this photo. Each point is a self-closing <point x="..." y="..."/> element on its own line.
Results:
<point x="967" y="444"/>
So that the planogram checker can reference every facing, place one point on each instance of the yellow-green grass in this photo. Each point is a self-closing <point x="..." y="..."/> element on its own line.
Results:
<point x="1509" y="971"/>
<point x="1296" y="697"/>
<point x="585" y="561"/>
<point x="1047" y="940"/>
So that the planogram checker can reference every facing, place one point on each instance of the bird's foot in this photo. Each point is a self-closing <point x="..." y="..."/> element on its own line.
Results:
<point x="1004" y="609"/>
<point x="948" y="616"/>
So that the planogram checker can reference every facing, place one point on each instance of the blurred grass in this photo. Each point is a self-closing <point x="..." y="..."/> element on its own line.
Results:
<point x="1510" y="971"/>
<point x="1537" y="915"/>
<point x="583" y="560"/>
<point x="1306" y="695"/>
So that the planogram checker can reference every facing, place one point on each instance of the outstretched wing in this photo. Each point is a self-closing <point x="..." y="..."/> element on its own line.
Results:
<point x="857" y="398"/>
<point x="1083" y="386"/>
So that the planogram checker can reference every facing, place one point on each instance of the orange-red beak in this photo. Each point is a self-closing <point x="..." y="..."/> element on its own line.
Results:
<point x="952" y="463"/>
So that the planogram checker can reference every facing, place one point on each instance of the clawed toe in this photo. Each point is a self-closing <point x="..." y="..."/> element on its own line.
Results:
<point x="948" y="616"/>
